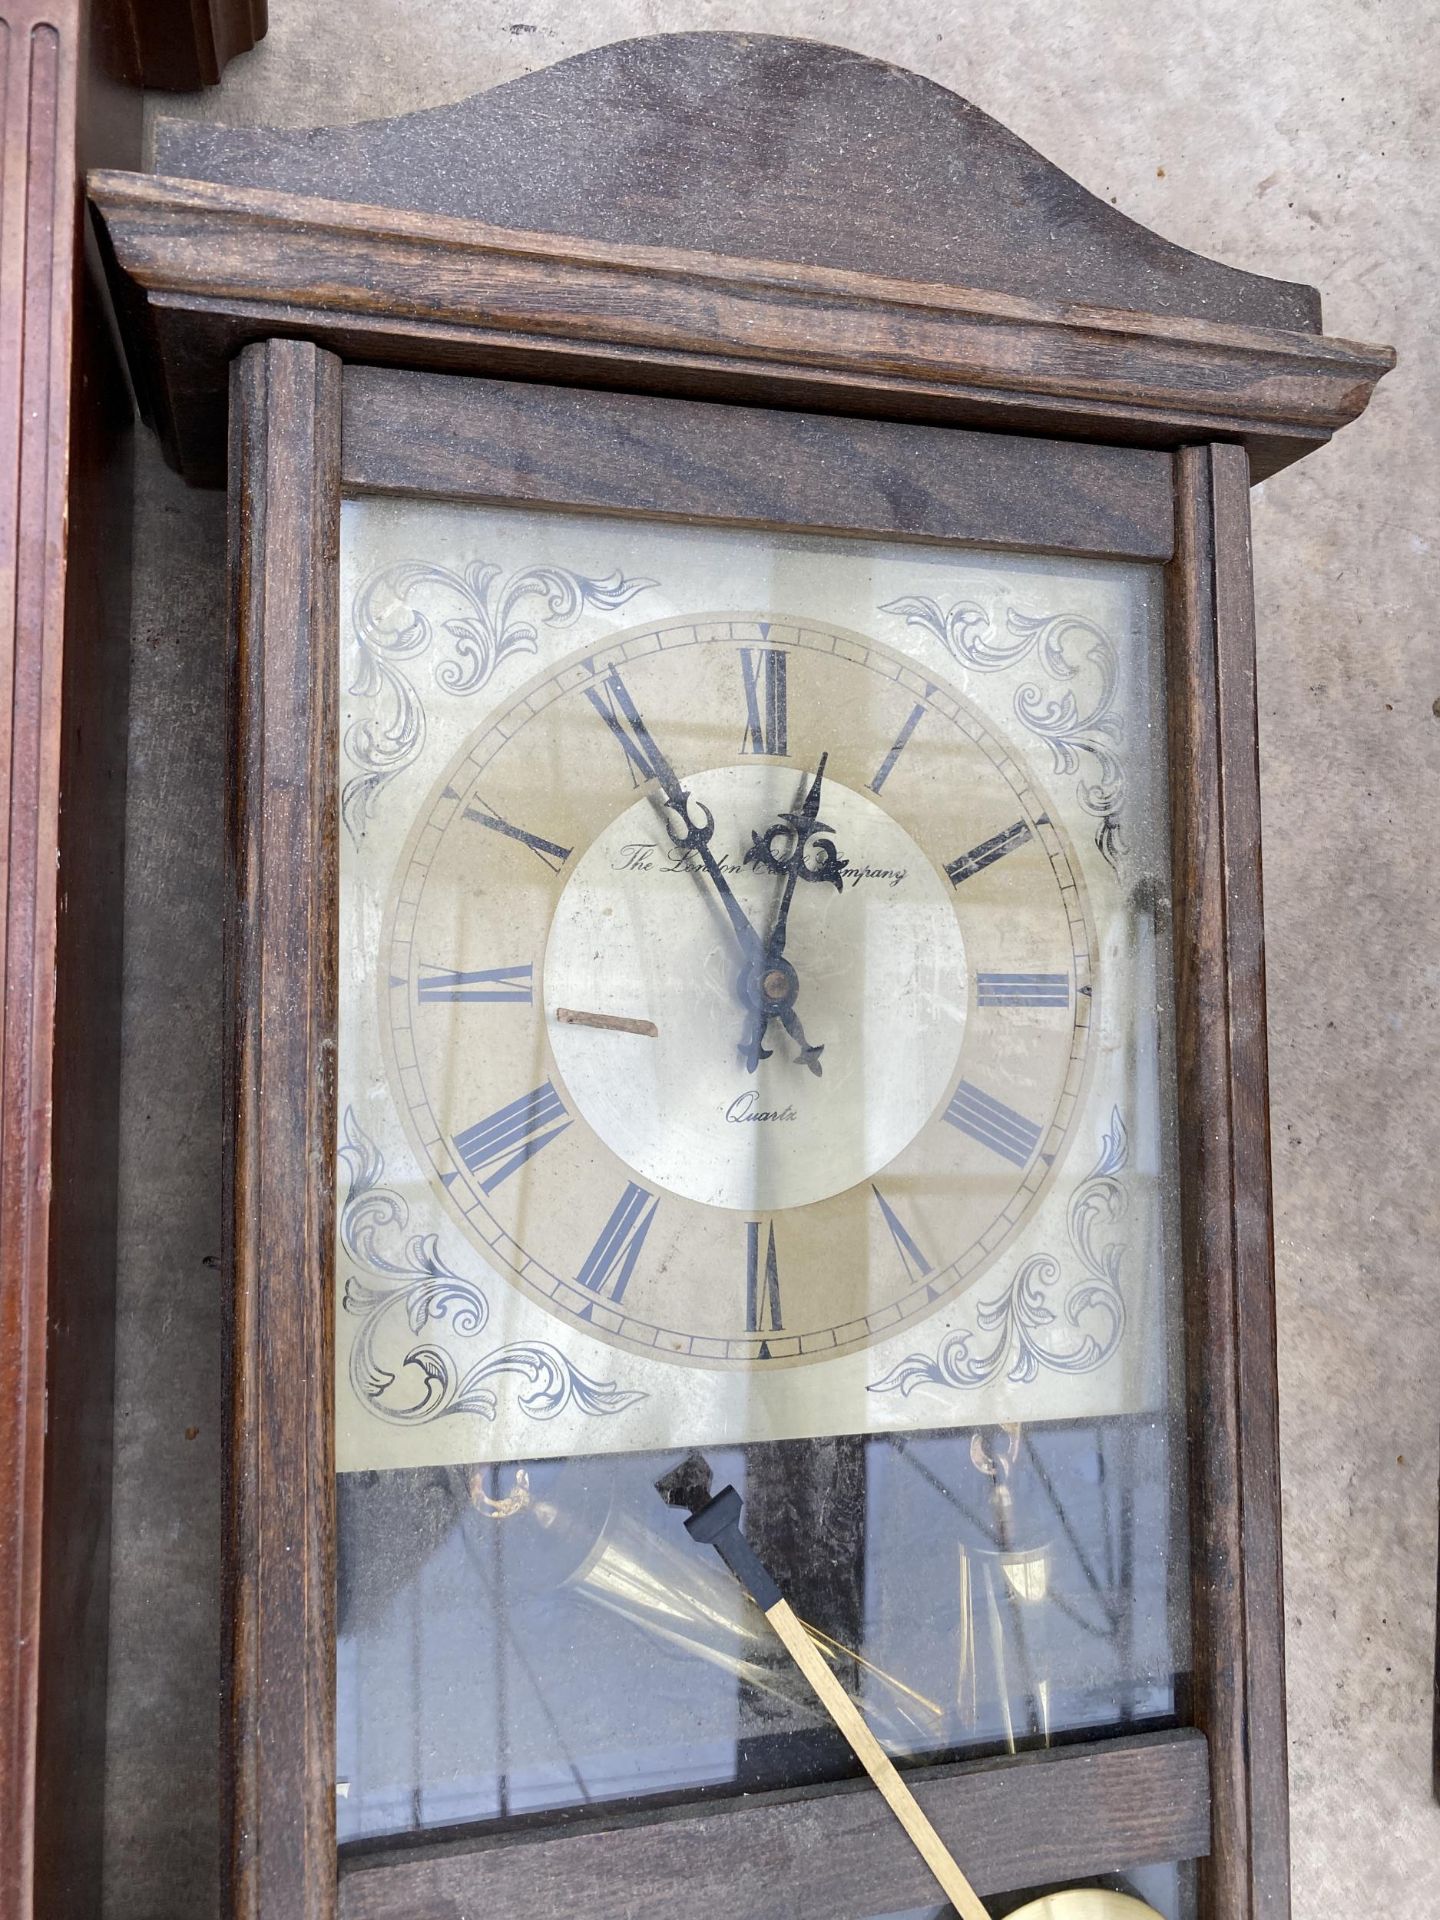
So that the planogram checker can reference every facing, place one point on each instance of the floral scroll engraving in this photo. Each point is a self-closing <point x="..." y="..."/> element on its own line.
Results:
<point x="1036" y="1323"/>
<point x="404" y="1284"/>
<point x="484" y="616"/>
<point x="1083" y="739"/>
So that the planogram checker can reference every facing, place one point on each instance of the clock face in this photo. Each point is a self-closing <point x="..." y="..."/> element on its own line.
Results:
<point x="737" y="991"/>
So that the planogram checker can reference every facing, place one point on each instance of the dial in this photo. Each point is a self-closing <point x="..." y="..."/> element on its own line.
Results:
<point x="739" y="991"/>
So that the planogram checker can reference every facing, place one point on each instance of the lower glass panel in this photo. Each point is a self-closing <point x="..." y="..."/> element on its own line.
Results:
<point x="524" y="1640"/>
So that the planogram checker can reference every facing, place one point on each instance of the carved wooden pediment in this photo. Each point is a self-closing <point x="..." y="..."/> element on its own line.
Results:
<point x="759" y="147"/>
<point x="724" y="216"/>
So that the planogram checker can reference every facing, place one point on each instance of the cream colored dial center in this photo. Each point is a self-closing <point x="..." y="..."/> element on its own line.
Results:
<point x="641" y="935"/>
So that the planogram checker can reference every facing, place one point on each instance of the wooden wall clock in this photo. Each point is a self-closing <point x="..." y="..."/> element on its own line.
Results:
<point x="747" y="937"/>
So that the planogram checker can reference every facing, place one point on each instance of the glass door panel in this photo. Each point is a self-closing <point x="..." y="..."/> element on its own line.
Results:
<point x="755" y="1037"/>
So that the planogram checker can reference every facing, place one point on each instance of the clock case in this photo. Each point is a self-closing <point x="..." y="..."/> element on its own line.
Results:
<point x="759" y="283"/>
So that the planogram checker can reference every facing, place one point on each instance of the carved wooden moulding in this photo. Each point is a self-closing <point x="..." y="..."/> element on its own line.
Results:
<point x="720" y="217"/>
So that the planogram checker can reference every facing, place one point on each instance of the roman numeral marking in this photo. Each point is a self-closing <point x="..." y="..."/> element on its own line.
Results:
<point x="506" y="1140"/>
<point x="762" y="1287"/>
<point x="611" y="1261"/>
<point x="916" y="1266"/>
<point x="554" y="856"/>
<point x="902" y="740"/>
<point x="988" y="852"/>
<point x="1022" y="989"/>
<point x="993" y="1124"/>
<point x="491" y="983"/>
<point x="766" y="714"/>
<point x="634" y="745"/>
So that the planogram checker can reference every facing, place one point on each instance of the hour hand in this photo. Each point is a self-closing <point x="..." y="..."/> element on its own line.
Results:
<point x="809" y="853"/>
<point x="799" y="848"/>
<point x="798" y="845"/>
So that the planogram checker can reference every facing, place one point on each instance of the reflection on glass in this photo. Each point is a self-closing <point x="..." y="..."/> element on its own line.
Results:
<point x="545" y="1637"/>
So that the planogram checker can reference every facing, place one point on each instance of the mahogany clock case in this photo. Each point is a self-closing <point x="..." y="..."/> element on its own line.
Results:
<point x="1023" y="371"/>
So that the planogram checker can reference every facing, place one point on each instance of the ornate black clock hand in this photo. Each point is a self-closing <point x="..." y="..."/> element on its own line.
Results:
<point x="697" y="836"/>
<point x="771" y="989"/>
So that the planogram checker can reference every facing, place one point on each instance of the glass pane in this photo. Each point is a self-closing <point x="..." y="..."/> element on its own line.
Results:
<point x="755" y="1038"/>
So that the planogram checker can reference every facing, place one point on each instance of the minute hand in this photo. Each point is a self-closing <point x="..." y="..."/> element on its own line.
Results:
<point x="697" y="835"/>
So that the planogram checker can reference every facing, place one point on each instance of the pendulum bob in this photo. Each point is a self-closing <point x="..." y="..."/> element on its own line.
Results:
<point x="1085" y="1903"/>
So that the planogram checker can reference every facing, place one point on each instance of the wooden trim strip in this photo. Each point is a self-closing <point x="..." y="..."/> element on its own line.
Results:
<point x="483" y="271"/>
<point x="37" y="181"/>
<point x="1015" y="1823"/>
<point x="280" y="1107"/>
<point x="688" y="460"/>
<point x="179" y="354"/>
<point x="1236" y="1597"/>
<point x="427" y="289"/>
<point x="65" y="512"/>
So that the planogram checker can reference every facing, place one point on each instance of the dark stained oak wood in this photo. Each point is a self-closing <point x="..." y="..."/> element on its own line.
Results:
<point x="1236" y="1599"/>
<point x="1238" y="1700"/>
<point x="836" y="1855"/>
<point x="85" y="1141"/>
<point x="752" y="144"/>
<point x="907" y="397"/>
<point x="688" y="460"/>
<point x="201" y="269"/>
<point x="284" y="542"/>
<point x="184" y="45"/>
<point x="1235" y="1594"/>
<point x="36" y="142"/>
<point x="64" y="640"/>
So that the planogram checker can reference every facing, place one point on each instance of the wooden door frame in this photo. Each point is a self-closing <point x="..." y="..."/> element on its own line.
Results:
<point x="303" y="429"/>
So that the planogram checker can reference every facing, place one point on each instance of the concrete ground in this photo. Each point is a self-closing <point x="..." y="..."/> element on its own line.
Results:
<point x="1297" y="139"/>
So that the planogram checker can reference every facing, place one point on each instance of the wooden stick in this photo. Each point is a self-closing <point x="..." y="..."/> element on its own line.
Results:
<point x="716" y="1521"/>
<point x="876" y="1762"/>
<point x="608" y="1022"/>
